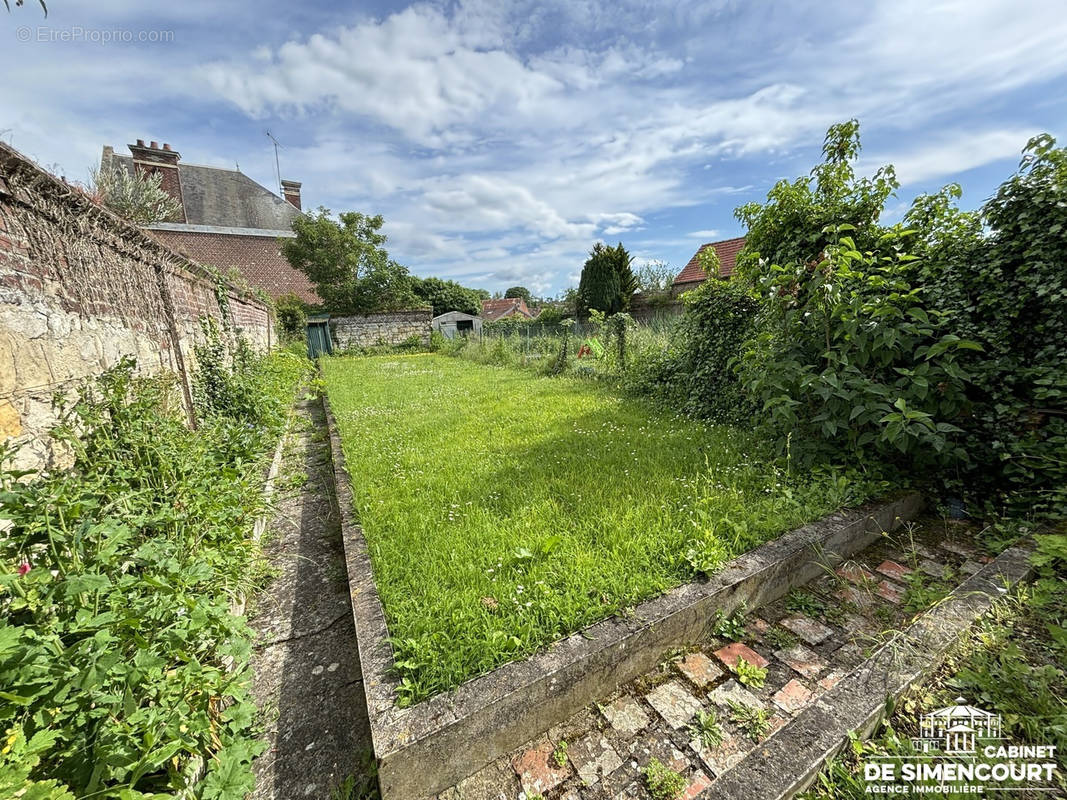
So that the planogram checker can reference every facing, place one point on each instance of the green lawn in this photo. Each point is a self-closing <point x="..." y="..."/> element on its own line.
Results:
<point x="505" y="510"/>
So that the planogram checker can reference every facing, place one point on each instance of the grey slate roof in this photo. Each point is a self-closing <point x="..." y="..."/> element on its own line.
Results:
<point x="227" y="198"/>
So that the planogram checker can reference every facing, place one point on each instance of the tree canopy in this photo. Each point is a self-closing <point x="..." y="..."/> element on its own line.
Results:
<point x="445" y="296"/>
<point x="607" y="283"/>
<point x="348" y="264"/>
<point x="520" y="291"/>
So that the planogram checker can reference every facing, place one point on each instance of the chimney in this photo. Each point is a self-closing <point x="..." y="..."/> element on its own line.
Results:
<point x="152" y="159"/>
<point x="291" y="192"/>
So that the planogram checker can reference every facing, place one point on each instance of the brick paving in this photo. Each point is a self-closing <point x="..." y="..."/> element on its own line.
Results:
<point x="806" y="643"/>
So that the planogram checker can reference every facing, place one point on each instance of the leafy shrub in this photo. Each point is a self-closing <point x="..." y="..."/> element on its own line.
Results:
<point x="116" y="578"/>
<point x="291" y="316"/>
<point x="850" y="360"/>
<point x="1007" y="290"/>
<point x="696" y="372"/>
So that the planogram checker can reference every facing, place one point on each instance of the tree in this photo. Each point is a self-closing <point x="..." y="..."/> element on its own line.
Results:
<point x="346" y="261"/>
<point x="445" y="296"/>
<point x="655" y="277"/>
<point x="520" y="291"/>
<point x="798" y="219"/>
<point x="608" y="282"/>
<point x="136" y="196"/>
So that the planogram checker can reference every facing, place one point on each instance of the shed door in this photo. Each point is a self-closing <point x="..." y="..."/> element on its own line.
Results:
<point x="319" y="339"/>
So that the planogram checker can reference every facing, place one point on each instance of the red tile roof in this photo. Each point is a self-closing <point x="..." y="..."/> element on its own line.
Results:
<point x="498" y="309"/>
<point x="257" y="257"/>
<point x="727" y="251"/>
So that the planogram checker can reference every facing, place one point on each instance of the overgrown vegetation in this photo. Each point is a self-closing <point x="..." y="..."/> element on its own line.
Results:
<point x="123" y="669"/>
<point x="136" y="196"/>
<point x="559" y="499"/>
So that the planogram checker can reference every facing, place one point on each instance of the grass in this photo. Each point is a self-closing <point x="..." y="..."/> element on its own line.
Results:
<point x="505" y="510"/>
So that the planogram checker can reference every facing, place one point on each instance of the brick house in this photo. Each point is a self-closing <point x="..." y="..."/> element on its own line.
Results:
<point x="492" y="310"/>
<point x="227" y="219"/>
<point x="692" y="275"/>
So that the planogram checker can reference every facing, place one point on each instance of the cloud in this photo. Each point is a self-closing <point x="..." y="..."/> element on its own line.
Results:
<point x="950" y="155"/>
<point x="503" y="137"/>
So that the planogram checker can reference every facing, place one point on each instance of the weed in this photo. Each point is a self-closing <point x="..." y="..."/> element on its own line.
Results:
<point x="116" y="626"/>
<point x="663" y="782"/>
<point x="730" y="627"/>
<point x="755" y="722"/>
<point x="750" y="674"/>
<point x="559" y="755"/>
<point x="780" y="639"/>
<point x="706" y="728"/>
<point x="801" y="602"/>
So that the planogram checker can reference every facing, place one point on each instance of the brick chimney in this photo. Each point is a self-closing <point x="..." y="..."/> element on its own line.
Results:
<point x="151" y="159"/>
<point x="291" y="191"/>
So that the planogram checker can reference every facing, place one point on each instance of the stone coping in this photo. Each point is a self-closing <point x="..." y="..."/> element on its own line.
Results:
<point x="432" y="745"/>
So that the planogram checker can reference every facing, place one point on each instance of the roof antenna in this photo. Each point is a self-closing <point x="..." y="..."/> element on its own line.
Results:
<point x="277" y="165"/>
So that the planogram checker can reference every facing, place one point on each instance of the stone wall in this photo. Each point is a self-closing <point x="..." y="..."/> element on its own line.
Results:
<point x="382" y="328"/>
<point x="79" y="289"/>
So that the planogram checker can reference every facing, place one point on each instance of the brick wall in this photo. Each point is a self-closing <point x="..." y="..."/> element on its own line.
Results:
<point x="383" y="328"/>
<point x="80" y="289"/>
<point x="258" y="257"/>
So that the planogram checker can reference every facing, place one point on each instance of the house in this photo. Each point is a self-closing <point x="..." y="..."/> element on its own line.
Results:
<point x="492" y="310"/>
<point x="692" y="275"/>
<point x="452" y="323"/>
<point x="227" y="220"/>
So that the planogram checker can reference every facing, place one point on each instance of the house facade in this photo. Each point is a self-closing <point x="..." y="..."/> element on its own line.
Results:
<point x="692" y="274"/>
<point x="227" y="220"/>
<point x="492" y="310"/>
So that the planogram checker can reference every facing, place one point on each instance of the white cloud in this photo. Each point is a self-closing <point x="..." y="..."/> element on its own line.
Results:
<point x="707" y="235"/>
<point x="950" y="156"/>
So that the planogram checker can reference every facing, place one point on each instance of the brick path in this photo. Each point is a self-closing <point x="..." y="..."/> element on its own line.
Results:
<point x="805" y="642"/>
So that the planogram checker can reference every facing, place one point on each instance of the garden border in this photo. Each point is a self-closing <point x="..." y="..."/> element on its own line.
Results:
<point x="426" y="748"/>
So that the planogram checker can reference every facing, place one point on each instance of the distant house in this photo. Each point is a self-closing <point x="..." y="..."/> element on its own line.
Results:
<point x="692" y="275"/>
<point x="227" y="219"/>
<point x="492" y="310"/>
<point x="453" y="323"/>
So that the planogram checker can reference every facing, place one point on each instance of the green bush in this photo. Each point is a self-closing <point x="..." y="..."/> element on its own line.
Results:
<point x="849" y="360"/>
<point x="1007" y="290"/>
<point x="697" y="369"/>
<point x="116" y="580"/>
<point x="292" y="317"/>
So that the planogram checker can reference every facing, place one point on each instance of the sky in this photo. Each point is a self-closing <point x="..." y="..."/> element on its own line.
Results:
<point x="500" y="138"/>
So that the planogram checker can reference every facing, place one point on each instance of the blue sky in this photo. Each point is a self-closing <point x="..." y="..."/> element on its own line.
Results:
<point x="501" y="139"/>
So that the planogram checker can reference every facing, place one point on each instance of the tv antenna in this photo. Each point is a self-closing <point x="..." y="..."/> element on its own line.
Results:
<point x="277" y="165"/>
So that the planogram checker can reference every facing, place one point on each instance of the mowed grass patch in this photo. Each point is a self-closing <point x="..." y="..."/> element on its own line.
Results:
<point x="503" y="511"/>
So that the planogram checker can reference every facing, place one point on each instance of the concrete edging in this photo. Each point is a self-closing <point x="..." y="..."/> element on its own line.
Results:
<point x="790" y="760"/>
<point x="426" y="748"/>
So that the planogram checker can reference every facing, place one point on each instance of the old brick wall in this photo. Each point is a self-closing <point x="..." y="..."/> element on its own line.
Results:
<point x="79" y="289"/>
<point x="382" y="328"/>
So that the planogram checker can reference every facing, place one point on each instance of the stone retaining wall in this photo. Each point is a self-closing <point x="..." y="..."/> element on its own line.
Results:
<point x="383" y="328"/>
<point x="79" y="289"/>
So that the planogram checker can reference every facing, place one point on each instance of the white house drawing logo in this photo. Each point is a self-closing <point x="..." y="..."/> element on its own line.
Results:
<point x="960" y="749"/>
<point x="956" y="729"/>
